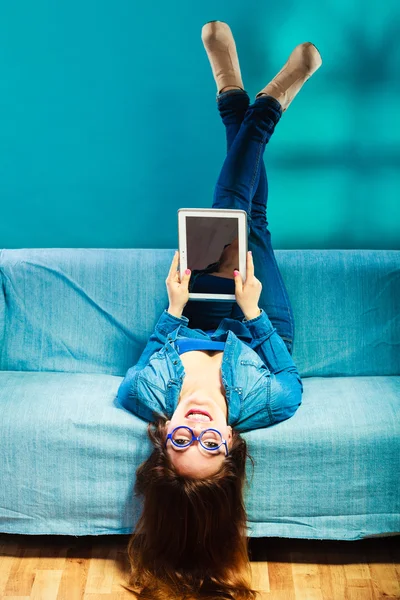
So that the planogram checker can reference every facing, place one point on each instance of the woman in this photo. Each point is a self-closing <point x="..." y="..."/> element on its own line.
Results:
<point x="212" y="370"/>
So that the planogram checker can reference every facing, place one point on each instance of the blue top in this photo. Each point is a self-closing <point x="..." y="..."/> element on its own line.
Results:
<point x="185" y="344"/>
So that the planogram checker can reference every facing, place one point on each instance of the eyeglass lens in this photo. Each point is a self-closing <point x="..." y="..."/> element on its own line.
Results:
<point x="210" y="440"/>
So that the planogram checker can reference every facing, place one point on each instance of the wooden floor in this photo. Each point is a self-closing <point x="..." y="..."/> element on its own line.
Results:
<point x="92" y="568"/>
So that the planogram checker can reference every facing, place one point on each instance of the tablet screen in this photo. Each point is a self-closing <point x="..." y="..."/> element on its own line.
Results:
<point x="212" y="245"/>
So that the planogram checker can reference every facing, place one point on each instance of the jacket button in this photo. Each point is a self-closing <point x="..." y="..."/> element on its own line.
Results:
<point x="175" y="361"/>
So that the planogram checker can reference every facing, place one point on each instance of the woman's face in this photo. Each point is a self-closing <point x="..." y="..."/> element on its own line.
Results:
<point x="194" y="460"/>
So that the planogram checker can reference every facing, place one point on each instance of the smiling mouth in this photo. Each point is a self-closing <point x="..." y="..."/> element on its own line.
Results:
<point x="192" y="412"/>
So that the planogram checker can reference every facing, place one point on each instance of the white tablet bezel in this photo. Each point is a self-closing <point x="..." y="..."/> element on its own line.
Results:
<point x="241" y="216"/>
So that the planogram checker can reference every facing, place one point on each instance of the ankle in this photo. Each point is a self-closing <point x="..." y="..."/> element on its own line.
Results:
<point x="229" y="87"/>
<point x="264" y="94"/>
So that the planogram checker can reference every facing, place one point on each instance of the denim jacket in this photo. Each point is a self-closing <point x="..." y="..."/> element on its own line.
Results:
<point x="262" y="384"/>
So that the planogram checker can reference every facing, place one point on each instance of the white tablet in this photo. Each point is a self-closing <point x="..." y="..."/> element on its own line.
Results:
<point x="212" y="243"/>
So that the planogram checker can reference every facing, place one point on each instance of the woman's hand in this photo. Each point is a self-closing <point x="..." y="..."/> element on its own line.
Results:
<point x="177" y="287"/>
<point x="248" y="294"/>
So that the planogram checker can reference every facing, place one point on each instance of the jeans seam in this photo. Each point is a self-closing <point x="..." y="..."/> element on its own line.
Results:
<point x="255" y="172"/>
<point x="286" y="295"/>
<point x="287" y="303"/>
<point x="283" y="289"/>
<point x="277" y="267"/>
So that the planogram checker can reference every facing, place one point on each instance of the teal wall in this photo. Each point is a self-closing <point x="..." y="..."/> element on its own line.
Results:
<point x="109" y="123"/>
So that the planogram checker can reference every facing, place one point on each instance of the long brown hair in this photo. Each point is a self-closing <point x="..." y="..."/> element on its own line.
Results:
<point x="190" y="541"/>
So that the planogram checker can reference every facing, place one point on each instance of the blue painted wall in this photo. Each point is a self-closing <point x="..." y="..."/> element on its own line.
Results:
<point x="109" y="123"/>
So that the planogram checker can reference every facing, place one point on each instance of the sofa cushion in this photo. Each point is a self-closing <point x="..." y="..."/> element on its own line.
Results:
<point x="69" y="454"/>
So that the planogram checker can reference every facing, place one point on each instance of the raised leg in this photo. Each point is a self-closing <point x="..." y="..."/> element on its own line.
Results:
<point x="232" y="106"/>
<point x="243" y="184"/>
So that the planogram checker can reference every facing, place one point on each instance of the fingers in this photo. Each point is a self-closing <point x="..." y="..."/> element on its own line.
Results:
<point x="174" y="264"/>
<point x="249" y="266"/>
<point x="174" y="274"/>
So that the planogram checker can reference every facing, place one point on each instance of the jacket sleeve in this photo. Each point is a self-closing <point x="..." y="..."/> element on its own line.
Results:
<point x="270" y="346"/>
<point x="286" y="395"/>
<point x="280" y="399"/>
<point x="165" y="325"/>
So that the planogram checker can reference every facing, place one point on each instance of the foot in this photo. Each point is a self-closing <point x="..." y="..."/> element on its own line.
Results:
<point x="221" y="51"/>
<point x="304" y="60"/>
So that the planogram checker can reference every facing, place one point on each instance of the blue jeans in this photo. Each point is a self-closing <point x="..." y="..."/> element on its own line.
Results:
<point x="242" y="184"/>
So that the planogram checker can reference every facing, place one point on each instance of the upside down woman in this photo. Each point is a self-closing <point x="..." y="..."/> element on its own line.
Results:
<point x="212" y="370"/>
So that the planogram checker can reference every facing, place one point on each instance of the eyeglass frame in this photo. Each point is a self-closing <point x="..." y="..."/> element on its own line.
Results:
<point x="197" y="438"/>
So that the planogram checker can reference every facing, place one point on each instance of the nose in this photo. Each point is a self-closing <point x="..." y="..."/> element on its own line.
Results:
<point x="198" y="427"/>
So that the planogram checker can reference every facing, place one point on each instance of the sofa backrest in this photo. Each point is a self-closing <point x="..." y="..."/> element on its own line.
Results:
<point x="92" y="310"/>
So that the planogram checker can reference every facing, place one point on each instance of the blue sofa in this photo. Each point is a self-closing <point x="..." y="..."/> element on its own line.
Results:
<point x="72" y="322"/>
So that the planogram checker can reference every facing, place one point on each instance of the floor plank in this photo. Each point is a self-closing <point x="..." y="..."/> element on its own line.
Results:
<point x="94" y="567"/>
